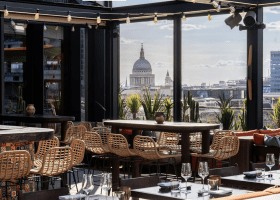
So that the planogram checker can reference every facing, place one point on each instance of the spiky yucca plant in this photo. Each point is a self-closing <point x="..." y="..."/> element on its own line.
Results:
<point x="168" y="105"/>
<point x="151" y="106"/>
<point x="122" y="109"/>
<point x="133" y="102"/>
<point x="276" y="114"/>
<point x="227" y="112"/>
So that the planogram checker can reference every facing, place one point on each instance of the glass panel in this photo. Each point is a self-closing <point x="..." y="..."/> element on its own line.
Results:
<point x="14" y="64"/>
<point x="214" y="63"/>
<point x="53" y="37"/>
<point x="271" y="64"/>
<point x="146" y="61"/>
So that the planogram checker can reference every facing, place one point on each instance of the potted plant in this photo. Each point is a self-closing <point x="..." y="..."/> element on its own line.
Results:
<point x="227" y="113"/>
<point x="276" y="114"/>
<point x="168" y="105"/>
<point x="122" y="109"/>
<point x="134" y="104"/>
<point x="189" y="103"/>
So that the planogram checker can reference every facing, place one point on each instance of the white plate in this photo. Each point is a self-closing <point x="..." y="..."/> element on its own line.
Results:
<point x="220" y="192"/>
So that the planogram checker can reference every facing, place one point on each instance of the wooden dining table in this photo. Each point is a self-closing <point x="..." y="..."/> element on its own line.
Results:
<point x="185" y="128"/>
<point x="44" y="120"/>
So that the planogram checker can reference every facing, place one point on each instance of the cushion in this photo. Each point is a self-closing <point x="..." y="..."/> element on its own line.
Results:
<point x="271" y="141"/>
<point x="245" y="196"/>
<point x="246" y="133"/>
<point x="271" y="132"/>
<point x="259" y="139"/>
<point x="126" y="131"/>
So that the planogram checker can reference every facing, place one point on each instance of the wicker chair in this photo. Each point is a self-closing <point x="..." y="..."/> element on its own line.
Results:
<point x="196" y="142"/>
<point x="103" y="132"/>
<point x="43" y="147"/>
<point x="216" y="139"/>
<point x="78" y="150"/>
<point x="146" y="148"/>
<point x="74" y="132"/>
<point x="168" y="139"/>
<point x="14" y="165"/>
<point x="55" y="162"/>
<point x="86" y="124"/>
<point x="94" y="144"/>
<point x="227" y="147"/>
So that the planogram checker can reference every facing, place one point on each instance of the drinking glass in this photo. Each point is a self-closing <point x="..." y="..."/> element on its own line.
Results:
<point x="175" y="186"/>
<point x="203" y="172"/>
<point x="106" y="182"/>
<point x="270" y="162"/>
<point x="88" y="185"/>
<point x="186" y="173"/>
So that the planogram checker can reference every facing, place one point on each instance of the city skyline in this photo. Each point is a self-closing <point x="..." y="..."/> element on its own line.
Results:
<point x="211" y="51"/>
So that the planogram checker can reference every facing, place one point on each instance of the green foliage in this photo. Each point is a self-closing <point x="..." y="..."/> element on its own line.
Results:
<point x="276" y="114"/>
<point x="194" y="109"/>
<point x="243" y="117"/>
<point x="151" y="106"/>
<point x="227" y="113"/>
<point x="133" y="102"/>
<point x="20" y="102"/>
<point x="122" y="109"/>
<point x="168" y="105"/>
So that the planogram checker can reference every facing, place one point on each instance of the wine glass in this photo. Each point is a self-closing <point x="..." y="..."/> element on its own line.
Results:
<point x="203" y="172"/>
<point x="270" y="162"/>
<point x="186" y="173"/>
<point x="106" y="182"/>
<point x="88" y="185"/>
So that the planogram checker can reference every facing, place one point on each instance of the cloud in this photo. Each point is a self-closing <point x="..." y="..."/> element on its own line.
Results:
<point x="129" y="41"/>
<point x="159" y="65"/>
<point x="185" y="27"/>
<point x="224" y="63"/>
<point x="273" y="26"/>
<point x="169" y="36"/>
<point x="273" y="10"/>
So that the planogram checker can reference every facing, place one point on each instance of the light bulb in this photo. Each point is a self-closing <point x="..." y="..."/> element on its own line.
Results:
<point x="98" y="18"/>
<point x="6" y="12"/>
<point x="73" y="29"/>
<point x="155" y="19"/>
<point x="89" y="26"/>
<point x="25" y="24"/>
<point x="214" y="3"/>
<point x="45" y="27"/>
<point x="13" y="23"/>
<point x="69" y="18"/>
<point x="219" y="7"/>
<point x="96" y="27"/>
<point x="184" y="17"/>
<point x="233" y="14"/>
<point x="209" y="17"/>
<point x="243" y="14"/>
<point x="56" y="28"/>
<point x="232" y="9"/>
<point x="127" y="19"/>
<point x="37" y="14"/>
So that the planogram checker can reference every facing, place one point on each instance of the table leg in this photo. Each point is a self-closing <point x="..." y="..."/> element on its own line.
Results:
<point x="186" y="147"/>
<point x="135" y="168"/>
<point x="115" y="173"/>
<point x="45" y="185"/>
<point x="64" y="179"/>
<point x="63" y="130"/>
<point x="45" y="125"/>
<point x="115" y="129"/>
<point x="205" y="141"/>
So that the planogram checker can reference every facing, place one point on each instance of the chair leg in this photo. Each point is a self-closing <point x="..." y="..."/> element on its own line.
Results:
<point x="141" y="167"/>
<point x="89" y="166"/>
<point x="195" y="169"/>
<point x="75" y="181"/>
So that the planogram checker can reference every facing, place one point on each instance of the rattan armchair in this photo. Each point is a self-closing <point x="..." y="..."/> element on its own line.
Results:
<point x="74" y="132"/>
<point x="103" y="132"/>
<point x="14" y="165"/>
<point x="86" y="124"/>
<point x="146" y="148"/>
<point x="227" y="147"/>
<point x="43" y="147"/>
<point x="94" y="144"/>
<point x="196" y="142"/>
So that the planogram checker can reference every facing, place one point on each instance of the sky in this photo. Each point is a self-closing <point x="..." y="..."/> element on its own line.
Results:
<point x="211" y="51"/>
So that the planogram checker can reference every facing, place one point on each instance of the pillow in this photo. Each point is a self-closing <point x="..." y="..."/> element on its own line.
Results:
<point x="269" y="132"/>
<point x="271" y="141"/>
<point x="246" y="133"/>
<point x="258" y="138"/>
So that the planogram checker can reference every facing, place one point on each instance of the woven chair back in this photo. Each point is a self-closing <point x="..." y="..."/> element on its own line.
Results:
<point x="78" y="150"/>
<point x="93" y="143"/>
<point x="14" y="165"/>
<point x="145" y="147"/>
<point x="43" y="147"/>
<point x="167" y="138"/>
<point x="218" y="136"/>
<point x="227" y="148"/>
<point x="69" y="124"/>
<point x="56" y="161"/>
<point x="74" y="132"/>
<point x="118" y="145"/>
<point x="195" y="140"/>
<point x="103" y="132"/>
<point x="86" y="124"/>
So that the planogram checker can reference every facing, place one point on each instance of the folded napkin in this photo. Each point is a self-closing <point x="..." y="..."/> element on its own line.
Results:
<point x="168" y="184"/>
<point x="274" y="190"/>
<point x="245" y="196"/>
<point x="220" y="192"/>
<point x="250" y="173"/>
